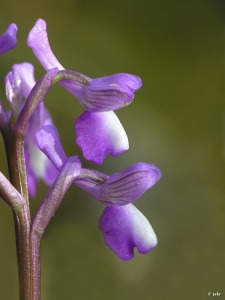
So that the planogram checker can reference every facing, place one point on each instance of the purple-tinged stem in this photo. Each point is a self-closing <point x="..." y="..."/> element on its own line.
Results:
<point x="69" y="172"/>
<point x="17" y="172"/>
<point x="10" y="195"/>
<point x="70" y="75"/>
<point x="14" y="147"/>
<point x="22" y="229"/>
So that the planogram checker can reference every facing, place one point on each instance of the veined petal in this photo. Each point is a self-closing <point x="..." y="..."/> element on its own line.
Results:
<point x="125" y="227"/>
<point x="100" y="134"/>
<point x="38" y="42"/>
<point x="8" y="39"/>
<point x="109" y="92"/>
<point x="130" y="184"/>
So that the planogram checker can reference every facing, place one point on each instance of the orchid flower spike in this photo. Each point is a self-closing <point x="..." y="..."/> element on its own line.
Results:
<point x="19" y="82"/>
<point x="98" y="130"/>
<point x="122" y="224"/>
<point x="8" y="39"/>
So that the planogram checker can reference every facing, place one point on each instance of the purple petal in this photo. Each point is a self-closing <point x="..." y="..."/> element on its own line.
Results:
<point x="8" y="39"/>
<point x="122" y="83"/>
<point x="48" y="141"/>
<point x="51" y="173"/>
<point x="25" y="72"/>
<point x="4" y="118"/>
<point x="41" y="117"/>
<point x="13" y="88"/>
<point x="40" y="165"/>
<point x="130" y="184"/>
<point x="125" y="227"/>
<point x="99" y="134"/>
<point x="32" y="179"/>
<point x="38" y="42"/>
<point x="18" y="83"/>
<point x="110" y="92"/>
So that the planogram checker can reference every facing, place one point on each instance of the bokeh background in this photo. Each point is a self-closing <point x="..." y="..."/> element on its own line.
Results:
<point x="177" y="122"/>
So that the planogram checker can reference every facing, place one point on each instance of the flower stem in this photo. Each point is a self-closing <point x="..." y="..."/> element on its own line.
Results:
<point x="22" y="230"/>
<point x="22" y="220"/>
<point x="69" y="172"/>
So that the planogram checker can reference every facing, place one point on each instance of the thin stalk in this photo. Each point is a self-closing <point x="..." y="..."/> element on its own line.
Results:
<point x="69" y="172"/>
<point x="22" y="229"/>
<point x="22" y="220"/>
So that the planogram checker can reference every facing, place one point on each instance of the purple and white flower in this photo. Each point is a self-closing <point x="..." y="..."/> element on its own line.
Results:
<point x="125" y="227"/>
<point x="34" y="143"/>
<point x="99" y="134"/>
<point x="19" y="82"/>
<point x="122" y="224"/>
<point x="98" y="96"/>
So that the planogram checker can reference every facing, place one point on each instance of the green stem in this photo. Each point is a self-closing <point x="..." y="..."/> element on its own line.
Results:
<point x="14" y="147"/>
<point x="22" y="219"/>
<point x="22" y="229"/>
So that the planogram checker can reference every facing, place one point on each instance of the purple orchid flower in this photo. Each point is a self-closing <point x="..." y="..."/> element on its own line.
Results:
<point x="100" y="133"/>
<point x="8" y="39"/>
<point x="98" y="130"/>
<point x="125" y="227"/>
<point x="19" y="82"/>
<point x="122" y="224"/>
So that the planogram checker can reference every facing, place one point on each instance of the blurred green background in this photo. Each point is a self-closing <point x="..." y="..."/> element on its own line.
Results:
<point x="177" y="122"/>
